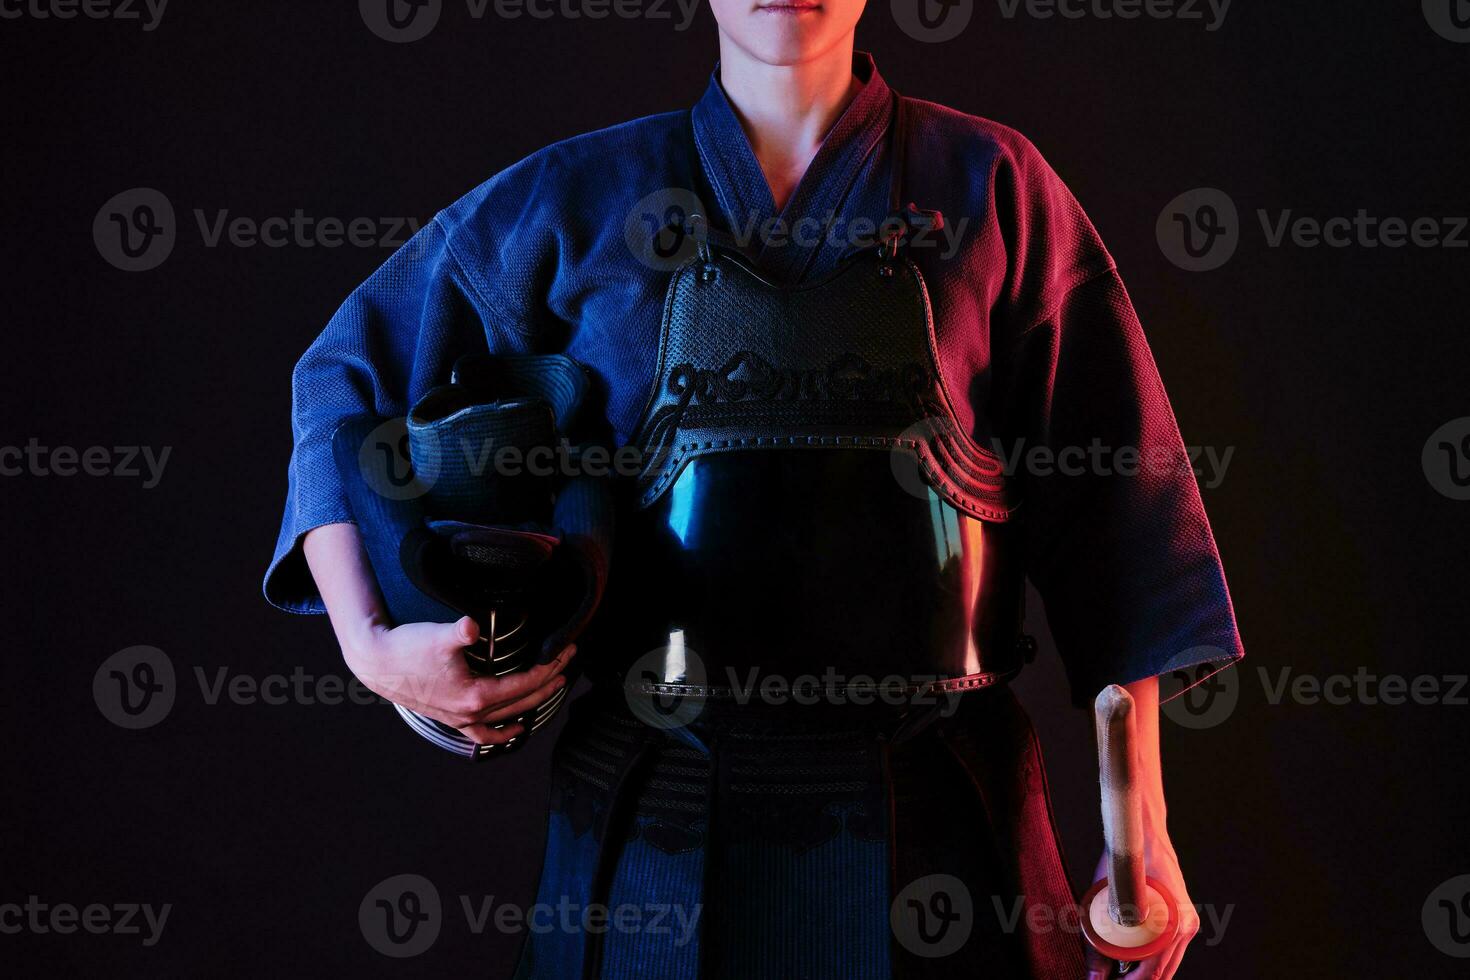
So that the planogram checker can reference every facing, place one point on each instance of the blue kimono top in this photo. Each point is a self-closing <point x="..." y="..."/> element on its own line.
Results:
<point x="1036" y="337"/>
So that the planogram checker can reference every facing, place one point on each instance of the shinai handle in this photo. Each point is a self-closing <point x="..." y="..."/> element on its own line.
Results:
<point x="1122" y="803"/>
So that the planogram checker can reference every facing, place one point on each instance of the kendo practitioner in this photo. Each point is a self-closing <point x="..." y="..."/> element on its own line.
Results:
<point x="845" y="307"/>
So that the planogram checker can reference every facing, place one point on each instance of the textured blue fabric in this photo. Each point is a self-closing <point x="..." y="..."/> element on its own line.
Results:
<point x="1039" y="346"/>
<point x="775" y="871"/>
<point x="821" y="912"/>
<point x="646" y="879"/>
<point x="566" y="882"/>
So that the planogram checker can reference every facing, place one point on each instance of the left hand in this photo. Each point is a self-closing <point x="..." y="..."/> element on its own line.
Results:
<point x="1162" y="863"/>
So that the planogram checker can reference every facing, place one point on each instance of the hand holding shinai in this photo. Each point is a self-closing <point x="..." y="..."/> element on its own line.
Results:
<point x="1126" y="916"/>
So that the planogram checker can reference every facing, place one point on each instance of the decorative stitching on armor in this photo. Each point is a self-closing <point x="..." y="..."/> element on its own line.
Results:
<point x="583" y="757"/>
<point x="798" y="736"/>
<point x="586" y="776"/>
<point x="807" y="789"/>
<point x="785" y="397"/>
<point x="766" y="769"/>
<point x="669" y="785"/>
<point x="685" y="806"/>
<point x="624" y="738"/>
<point x="967" y="683"/>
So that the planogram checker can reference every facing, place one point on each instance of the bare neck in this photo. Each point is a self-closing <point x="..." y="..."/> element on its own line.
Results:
<point x="786" y="110"/>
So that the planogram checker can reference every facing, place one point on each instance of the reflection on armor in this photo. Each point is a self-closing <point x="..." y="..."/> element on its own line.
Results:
<point x="818" y="572"/>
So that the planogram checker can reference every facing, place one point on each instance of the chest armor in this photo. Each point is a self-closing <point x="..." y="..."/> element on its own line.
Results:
<point x="847" y="362"/>
<point x="807" y="507"/>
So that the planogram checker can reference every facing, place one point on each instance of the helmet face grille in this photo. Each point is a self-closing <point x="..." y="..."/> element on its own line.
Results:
<point x="504" y="552"/>
<point x="482" y="554"/>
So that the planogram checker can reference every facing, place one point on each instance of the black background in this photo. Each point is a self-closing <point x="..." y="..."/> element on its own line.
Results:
<point x="1324" y="826"/>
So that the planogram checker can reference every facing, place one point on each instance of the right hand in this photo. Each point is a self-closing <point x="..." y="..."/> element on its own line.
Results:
<point x="422" y="667"/>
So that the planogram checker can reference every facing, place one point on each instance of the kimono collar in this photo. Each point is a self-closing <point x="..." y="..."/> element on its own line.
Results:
<point x="740" y="188"/>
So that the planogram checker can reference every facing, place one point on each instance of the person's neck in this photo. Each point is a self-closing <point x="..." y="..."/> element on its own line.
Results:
<point x="786" y="110"/>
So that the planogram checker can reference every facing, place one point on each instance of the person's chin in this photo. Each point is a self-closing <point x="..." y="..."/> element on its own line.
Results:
<point x="784" y="41"/>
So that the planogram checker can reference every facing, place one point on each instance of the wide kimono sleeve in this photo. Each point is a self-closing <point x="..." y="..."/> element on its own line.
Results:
<point x="395" y="337"/>
<point x="1116" y="538"/>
